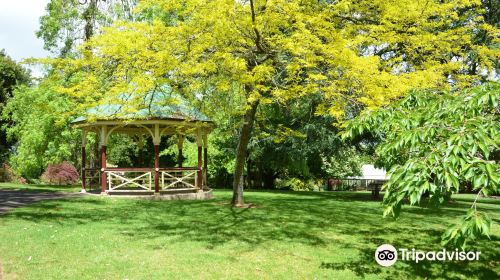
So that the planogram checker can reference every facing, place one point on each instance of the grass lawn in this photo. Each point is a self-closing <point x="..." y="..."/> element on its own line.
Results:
<point x="289" y="235"/>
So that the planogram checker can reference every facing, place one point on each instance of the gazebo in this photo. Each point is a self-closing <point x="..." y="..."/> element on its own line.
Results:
<point x="178" y="120"/>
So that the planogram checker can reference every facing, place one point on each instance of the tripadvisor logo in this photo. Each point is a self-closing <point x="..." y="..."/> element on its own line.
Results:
<point x="387" y="255"/>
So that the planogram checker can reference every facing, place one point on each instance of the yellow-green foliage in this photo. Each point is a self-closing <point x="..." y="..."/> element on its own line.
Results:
<point x="353" y="52"/>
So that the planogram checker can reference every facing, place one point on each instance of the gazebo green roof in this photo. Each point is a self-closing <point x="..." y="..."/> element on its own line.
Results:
<point x="177" y="108"/>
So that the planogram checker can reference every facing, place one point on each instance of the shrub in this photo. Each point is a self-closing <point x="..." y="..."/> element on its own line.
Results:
<point x="9" y="175"/>
<point x="61" y="173"/>
<point x="296" y="184"/>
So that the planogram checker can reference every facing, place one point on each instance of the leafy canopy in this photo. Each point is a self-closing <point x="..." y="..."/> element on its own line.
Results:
<point x="12" y="75"/>
<point x="364" y="52"/>
<point x="67" y="23"/>
<point x="438" y="143"/>
<point x="38" y="122"/>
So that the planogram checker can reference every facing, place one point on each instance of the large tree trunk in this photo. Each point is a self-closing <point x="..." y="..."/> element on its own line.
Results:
<point x="241" y="152"/>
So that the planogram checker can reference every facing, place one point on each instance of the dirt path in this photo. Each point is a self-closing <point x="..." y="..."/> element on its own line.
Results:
<point x="10" y="199"/>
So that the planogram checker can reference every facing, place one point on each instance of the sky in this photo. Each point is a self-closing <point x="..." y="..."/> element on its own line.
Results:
<point x="18" y="24"/>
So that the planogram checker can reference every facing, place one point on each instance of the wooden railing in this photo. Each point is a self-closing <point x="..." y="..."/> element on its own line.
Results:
<point x="179" y="178"/>
<point x="118" y="179"/>
<point x="142" y="179"/>
<point x="92" y="178"/>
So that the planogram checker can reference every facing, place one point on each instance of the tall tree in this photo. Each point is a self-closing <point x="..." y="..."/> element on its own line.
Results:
<point x="39" y="125"/>
<point x="68" y="23"/>
<point x="293" y="143"/>
<point x="12" y="75"/>
<point x="355" y="54"/>
<point x="65" y="25"/>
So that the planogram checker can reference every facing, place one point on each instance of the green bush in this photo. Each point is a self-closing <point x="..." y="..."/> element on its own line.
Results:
<point x="297" y="184"/>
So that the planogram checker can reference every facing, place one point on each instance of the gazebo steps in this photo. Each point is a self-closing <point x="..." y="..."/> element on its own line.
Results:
<point x="151" y="192"/>
<point x="171" y="194"/>
<point x="130" y="192"/>
<point x="176" y="191"/>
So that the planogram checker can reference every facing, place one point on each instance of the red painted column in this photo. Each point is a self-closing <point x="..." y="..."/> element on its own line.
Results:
<point x="84" y="159"/>
<point x="200" y="176"/>
<point x="104" y="180"/>
<point x="157" y="169"/>
<point x="205" y="166"/>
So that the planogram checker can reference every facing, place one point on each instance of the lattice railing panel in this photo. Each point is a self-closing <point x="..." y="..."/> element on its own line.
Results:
<point x="122" y="180"/>
<point x="177" y="179"/>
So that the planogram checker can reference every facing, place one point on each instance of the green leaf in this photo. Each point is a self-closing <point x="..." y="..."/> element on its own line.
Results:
<point x="484" y="148"/>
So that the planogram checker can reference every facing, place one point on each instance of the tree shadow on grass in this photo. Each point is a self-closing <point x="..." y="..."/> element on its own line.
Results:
<point x="337" y="195"/>
<point x="40" y="187"/>
<point x="283" y="217"/>
<point x="471" y="199"/>
<point x="425" y="240"/>
<point x="367" y="265"/>
<point x="56" y="210"/>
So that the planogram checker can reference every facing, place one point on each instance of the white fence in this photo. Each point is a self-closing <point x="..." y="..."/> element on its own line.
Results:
<point x="122" y="180"/>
